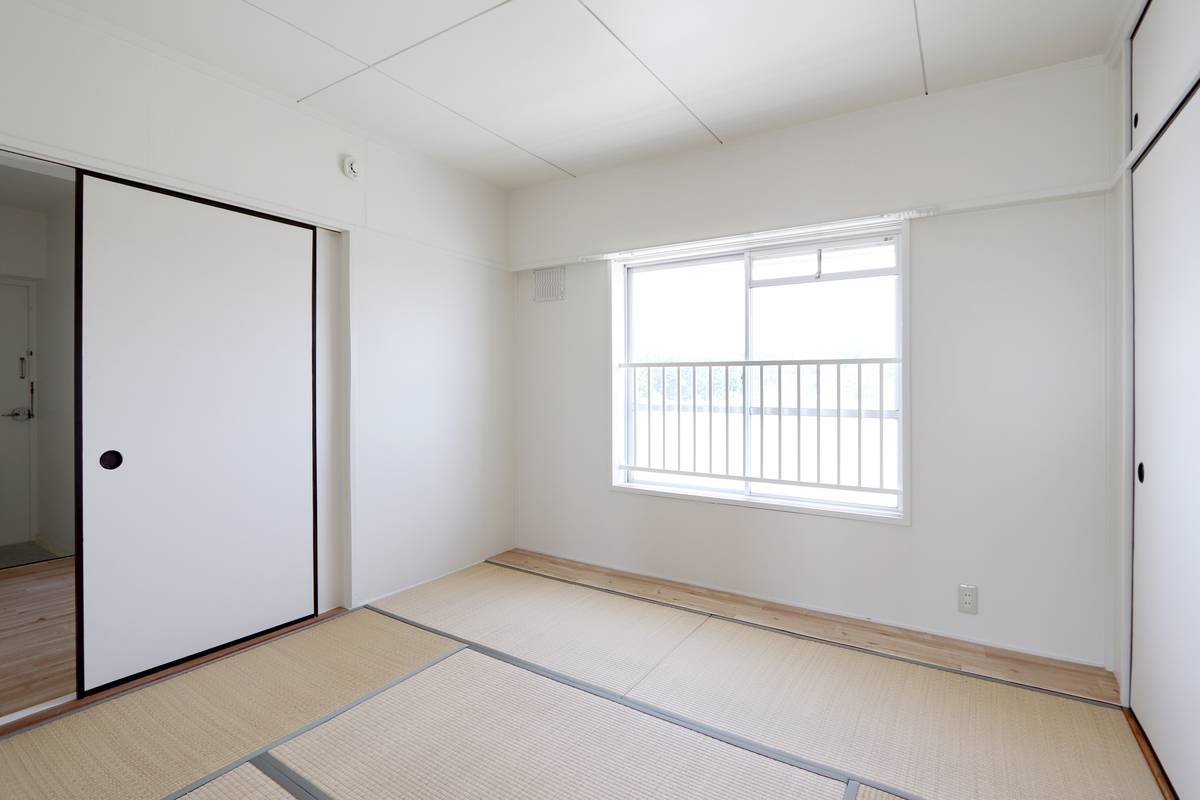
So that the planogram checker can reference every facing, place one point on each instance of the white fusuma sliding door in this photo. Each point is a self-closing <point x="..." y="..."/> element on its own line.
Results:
<point x="1165" y="694"/>
<point x="196" y="413"/>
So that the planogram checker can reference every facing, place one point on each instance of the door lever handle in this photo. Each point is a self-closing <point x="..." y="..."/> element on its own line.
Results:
<point x="19" y="413"/>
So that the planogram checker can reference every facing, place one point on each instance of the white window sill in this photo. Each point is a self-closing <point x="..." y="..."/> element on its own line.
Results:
<point x="885" y="516"/>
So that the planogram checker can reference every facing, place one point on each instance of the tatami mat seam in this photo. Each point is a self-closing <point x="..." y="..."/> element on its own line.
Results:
<point x="726" y="737"/>
<point x="288" y="779"/>
<point x="816" y="639"/>
<point x="191" y="787"/>
<point x="172" y="675"/>
<point x="665" y="656"/>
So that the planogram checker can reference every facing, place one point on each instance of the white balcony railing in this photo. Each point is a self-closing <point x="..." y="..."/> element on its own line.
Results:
<point x="826" y="425"/>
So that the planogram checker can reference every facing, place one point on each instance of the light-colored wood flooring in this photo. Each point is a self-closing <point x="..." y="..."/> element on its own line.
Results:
<point x="37" y="633"/>
<point x="1156" y="767"/>
<point x="1093" y="683"/>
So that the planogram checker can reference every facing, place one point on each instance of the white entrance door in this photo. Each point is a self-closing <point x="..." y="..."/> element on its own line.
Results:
<point x="1166" y="554"/>
<point x="15" y="425"/>
<point x="197" y="427"/>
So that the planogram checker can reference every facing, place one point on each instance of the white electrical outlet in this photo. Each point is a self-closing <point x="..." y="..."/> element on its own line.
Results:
<point x="968" y="598"/>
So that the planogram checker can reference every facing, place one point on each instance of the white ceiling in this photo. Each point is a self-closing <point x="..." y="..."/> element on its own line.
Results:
<point x="968" y="41"/>
<point x="524" y="91"/>
<point x="748" y="66"/>
<point x="33" y="191"/>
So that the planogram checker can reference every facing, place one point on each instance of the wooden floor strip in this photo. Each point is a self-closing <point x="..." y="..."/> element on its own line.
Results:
<point x="37" y="634"/>
<point x="1079" y="680"/>
<point x="1156" y="767"/>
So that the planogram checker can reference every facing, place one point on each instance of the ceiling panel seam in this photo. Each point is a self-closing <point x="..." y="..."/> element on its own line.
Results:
<point x="653" y="74"/>
<point x="461" y="22"/>
<point x="365" y="65"/>
<point x="479" y="125"/>
<point x="920" y="48"/>
<point x="309" y="34"/>
<point x="335" y="83"/>
<point x="372" y="66"/>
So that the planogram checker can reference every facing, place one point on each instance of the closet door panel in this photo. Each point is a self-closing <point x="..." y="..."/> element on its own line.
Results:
<point x="196" y="368"/>
<point x="1166" y="565"/>
<point x="1165" y="63"/>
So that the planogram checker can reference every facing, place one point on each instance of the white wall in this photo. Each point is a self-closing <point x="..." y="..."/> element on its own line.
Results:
<point x="1119" y="257"/>
<point x="1012" y="436"/>
<point x="40" y="245"/>
<point x="432" y="425"/>
<point x="55" y="360"/>
<point x="1044" y="130"/>
<point x="1118" y="250"/>
<point x="22" y="243"/>
<point x="333" y="409"/>
<point x="1008" y="456"/>
<point x="78" y="93"/>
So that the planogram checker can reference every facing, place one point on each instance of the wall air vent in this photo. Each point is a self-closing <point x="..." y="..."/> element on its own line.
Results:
<point x="549" y="285"/>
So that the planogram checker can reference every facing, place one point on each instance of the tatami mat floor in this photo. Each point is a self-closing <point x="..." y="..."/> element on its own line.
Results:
<point x="557" y="690"/>
<point x="246" y="782"/>
<point x="162" y="738"/>
<point x="930" y="732"/>
<point x="597" y="637"/>
<point x="870" y="793"/>
<point x="936" y="733"/>
<point x="473" y="726"/>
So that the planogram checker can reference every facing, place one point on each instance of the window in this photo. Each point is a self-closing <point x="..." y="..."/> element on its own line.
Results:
<point x="764" y="373"/>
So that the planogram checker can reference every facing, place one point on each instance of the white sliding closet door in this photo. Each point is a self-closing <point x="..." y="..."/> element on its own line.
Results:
<point x="196" y="367"/>
<point x="1166" y="556"/>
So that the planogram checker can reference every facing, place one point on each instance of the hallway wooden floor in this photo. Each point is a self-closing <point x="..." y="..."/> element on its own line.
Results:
<point x="37" y="633"/>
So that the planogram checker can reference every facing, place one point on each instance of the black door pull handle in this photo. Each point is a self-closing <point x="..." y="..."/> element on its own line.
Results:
<point x="1141" y="473"/>
<point x="111" y="459"/>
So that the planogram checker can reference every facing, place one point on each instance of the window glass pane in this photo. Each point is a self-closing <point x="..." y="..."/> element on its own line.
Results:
<point x="688" y="313"/>
<point x="839" y="319"/>
<point x="852" y="258"/>
<point x="765" y="266"/>
<point x="768" y="432"/>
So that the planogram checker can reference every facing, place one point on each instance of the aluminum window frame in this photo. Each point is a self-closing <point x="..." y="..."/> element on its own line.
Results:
<point x="624" y="380"/>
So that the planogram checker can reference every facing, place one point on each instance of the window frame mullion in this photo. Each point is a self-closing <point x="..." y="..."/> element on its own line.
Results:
<point x="747" y="266"/>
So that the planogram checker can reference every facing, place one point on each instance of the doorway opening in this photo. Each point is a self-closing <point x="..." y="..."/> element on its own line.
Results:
<point x="37" y="434"/>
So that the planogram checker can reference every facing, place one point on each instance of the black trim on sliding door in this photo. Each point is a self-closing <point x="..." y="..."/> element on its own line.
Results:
<point x="79" y="432"/>
<point x="1175" y="112"/>
<point x="314" y="415"/>
<point x="80" y="174"/>
<point x="1141" y="17"/>
<point x="193" y="198"/>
